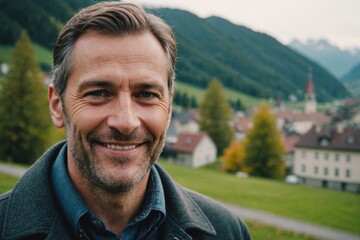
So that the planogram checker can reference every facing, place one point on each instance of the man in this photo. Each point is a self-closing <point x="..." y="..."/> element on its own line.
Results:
<point x="112" y="90"/>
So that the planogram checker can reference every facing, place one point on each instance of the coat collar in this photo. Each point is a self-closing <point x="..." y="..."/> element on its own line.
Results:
<point x="183" y="213"/>
<point x="32" y="208"/>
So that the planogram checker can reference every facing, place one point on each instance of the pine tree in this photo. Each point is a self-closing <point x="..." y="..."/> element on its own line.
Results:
<point x="24" y="118"/>
<point x="264" y="151"/>
<point x="215" y="115"/>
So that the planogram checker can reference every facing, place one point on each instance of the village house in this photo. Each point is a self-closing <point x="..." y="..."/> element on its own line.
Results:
<point x="329" y="157"/>
<point x="289" y="142"/>
<point x="181" y="122"/>
<point x="185" y="121"/>
<point x="299" y="121"/>
<point x="241" y="126"/>
<point x="192" y="150"/>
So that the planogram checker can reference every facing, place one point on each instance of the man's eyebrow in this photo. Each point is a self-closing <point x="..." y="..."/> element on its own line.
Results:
<point x="95" y="83"/>
<point x="149" y="85"/>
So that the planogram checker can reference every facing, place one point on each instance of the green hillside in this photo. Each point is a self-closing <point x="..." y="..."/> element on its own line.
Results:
<point x="353" y="75"/>
<point x="243" y="60"/>
<point x="198" y="93"/>
<point x="43" y="55"/>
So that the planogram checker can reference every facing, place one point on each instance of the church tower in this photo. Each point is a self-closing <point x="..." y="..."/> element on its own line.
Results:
<point x="310" y="101"/>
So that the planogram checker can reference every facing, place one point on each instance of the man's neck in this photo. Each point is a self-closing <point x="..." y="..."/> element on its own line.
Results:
<point x="116" y="210"/>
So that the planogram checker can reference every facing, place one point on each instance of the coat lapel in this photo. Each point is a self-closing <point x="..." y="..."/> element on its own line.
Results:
<point x="183" y="213"/>
<point x="31" y="209"/>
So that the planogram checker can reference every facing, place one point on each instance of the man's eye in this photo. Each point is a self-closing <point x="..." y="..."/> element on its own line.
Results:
<point x="147" y="95"/>
<point x="97" y="93"/>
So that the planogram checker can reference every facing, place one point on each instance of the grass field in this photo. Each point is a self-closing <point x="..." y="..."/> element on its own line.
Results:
<point x="325" y="207"/>
<point x="7" y="182"/>
<point x="261" y="231"/>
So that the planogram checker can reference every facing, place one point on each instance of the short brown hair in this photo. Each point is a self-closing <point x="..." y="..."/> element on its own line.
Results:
<point x="114" y="18"/>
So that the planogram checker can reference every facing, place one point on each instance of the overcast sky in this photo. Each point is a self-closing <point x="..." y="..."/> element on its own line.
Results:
<point x="338" y="21"/>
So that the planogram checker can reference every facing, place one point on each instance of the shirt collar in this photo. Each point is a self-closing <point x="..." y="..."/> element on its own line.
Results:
<point x="75" y="208"/>
<point x="68" y="197"/>
<point x="154" y="198"/>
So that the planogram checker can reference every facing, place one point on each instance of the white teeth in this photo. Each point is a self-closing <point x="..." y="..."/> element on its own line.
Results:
<point x="118" y="147"/>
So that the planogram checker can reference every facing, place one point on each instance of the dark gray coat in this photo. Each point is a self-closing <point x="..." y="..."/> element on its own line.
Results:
<point x="30" y="211"/>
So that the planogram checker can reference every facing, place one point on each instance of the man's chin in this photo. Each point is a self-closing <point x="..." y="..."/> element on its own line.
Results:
<point x="120" y="180"/>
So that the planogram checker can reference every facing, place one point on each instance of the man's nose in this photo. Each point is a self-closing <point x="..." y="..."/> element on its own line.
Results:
<point x="124" y="116"/>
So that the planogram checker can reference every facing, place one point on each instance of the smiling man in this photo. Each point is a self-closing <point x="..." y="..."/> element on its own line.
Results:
<point x="112" y="90"/>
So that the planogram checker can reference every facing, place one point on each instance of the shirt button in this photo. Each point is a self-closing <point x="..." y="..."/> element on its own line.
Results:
<point x="96" y="224"/>
<point x="83" y="236"/>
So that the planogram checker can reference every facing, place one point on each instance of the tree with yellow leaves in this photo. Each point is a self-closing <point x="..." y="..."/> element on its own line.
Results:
<point x="233" y="158"/>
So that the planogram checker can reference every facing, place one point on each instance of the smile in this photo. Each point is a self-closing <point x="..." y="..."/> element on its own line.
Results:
<point x="120" y="147"/>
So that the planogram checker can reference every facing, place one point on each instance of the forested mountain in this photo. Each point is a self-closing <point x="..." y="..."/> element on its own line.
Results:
<point x="353" y="75"/>
<point x="244" y="60"/>
<point x="41" y="19"/>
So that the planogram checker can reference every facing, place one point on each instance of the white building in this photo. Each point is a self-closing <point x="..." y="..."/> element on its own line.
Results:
<point x="329" y="157"/>
<point x="300" y="122"/>
<point x="193" y="150"/>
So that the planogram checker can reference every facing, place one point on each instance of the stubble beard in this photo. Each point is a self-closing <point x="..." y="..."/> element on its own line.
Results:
<point x="89" y="165"/>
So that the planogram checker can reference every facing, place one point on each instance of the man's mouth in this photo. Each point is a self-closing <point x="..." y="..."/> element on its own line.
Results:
<point x="120" y="147"/>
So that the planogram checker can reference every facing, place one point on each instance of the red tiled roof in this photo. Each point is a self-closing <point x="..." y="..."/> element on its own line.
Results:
<point x="243" y="124"/>
<point x="187" y="142"/>
<point x="330" y="138"/>
<point x="301" y="116"/>
<point x="290" y="142"/>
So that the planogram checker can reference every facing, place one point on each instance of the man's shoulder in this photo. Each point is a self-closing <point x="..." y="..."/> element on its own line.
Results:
<point x="193" y="210"/>
<point x="219" y="215"/>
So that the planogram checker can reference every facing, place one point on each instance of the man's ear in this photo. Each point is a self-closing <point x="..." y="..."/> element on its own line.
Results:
<point x="56" y="108"/>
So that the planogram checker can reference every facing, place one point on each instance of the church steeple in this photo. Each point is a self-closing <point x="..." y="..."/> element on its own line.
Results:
<point x="309" y="85"/>
<point x="310" y="101"/>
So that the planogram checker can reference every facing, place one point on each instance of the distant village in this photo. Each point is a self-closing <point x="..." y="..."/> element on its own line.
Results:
<point x="322" y="148"/>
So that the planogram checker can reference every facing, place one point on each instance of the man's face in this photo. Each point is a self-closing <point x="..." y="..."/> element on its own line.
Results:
<point x="116" y="108"/>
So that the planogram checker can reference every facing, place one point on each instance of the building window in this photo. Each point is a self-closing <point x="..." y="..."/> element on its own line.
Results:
<point x="326" y="156"/>
<point x="348" y="158"/>
<point x="303" y="154"/>
<point x="336" y="172"/>
<point x="336" y="157"/>
<point x="303" y="168"/>
<point x="326" y="171"/>
<point x="347" y="173"/>
<point x="350" y="140"/>
<point x="316" y="170"/>
<point x="316" y="155"/>
<point x="324" y="142"/>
